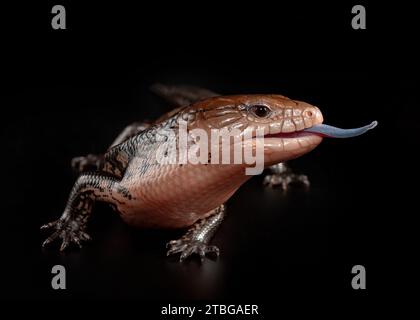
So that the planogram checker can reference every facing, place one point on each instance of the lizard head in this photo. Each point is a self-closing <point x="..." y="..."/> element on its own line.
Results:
<point x="290" y="128"/>
<point x="281" y="119"/>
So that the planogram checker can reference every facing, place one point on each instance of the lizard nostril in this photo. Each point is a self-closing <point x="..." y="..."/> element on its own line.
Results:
<point x="309" y="113"/>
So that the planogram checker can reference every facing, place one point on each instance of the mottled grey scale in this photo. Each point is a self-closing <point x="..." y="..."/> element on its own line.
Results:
<point x="88" y="188"/>
<point x="171" y="123"/>
<point x="124" y="192"/>
<point x="117" y="159"/>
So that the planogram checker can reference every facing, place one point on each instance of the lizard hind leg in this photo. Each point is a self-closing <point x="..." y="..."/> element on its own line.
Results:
<point x="89" y="187"/>
<point x="197" y="238"/>
<point x="282" y="177"/>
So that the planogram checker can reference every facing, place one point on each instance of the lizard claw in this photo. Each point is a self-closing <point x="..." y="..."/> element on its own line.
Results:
<point x="49" y="225"/>
<point x="66" y="230"/>
<point x="188" y="247"/>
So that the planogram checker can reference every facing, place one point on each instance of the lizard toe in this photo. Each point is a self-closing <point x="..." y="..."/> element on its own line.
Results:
<point x="49" y="225"/>
<point x="66" y="230"/>
<point x="188" y="248"/>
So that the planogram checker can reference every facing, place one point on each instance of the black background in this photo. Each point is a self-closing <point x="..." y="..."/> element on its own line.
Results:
<point x="70" y="92"/>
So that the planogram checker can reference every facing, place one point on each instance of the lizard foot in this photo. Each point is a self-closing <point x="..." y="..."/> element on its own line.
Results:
<point x="187" y="247"/>
<point x="68" y="231"/>
<point x="285" y="180"/>
<point x="86" y="163"/>
<point x="282" y="176"/>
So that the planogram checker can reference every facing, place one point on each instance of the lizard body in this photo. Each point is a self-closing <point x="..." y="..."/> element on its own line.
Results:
<point x="150" y="194"/>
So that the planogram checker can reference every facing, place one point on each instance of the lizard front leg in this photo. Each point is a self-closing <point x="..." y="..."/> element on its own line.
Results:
<point x="89" y="187"/>
<point x="197" y="238"/>
<point x="282" y="176"/>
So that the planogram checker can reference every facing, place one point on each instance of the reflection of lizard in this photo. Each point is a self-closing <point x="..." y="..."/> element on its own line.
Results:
<point x="149" y="194"/>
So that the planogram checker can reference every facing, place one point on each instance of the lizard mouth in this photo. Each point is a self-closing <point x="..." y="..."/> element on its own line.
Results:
<point x="325" y="131"/>
<point x="288" y="135"/>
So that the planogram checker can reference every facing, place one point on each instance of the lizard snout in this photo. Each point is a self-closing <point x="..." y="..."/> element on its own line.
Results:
<point x="312" y="116"/>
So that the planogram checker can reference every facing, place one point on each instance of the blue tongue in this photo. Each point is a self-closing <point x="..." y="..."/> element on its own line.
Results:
<point x="334" y="132"/>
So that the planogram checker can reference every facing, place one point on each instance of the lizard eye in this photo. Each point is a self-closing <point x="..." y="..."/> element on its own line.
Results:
<point x="260" y="111"/>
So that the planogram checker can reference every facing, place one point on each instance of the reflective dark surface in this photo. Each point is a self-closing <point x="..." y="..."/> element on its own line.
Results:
<point x="270" y="240"/>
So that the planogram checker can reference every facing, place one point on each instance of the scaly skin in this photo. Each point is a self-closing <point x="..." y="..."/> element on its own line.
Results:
<point x="153" y="195"/>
